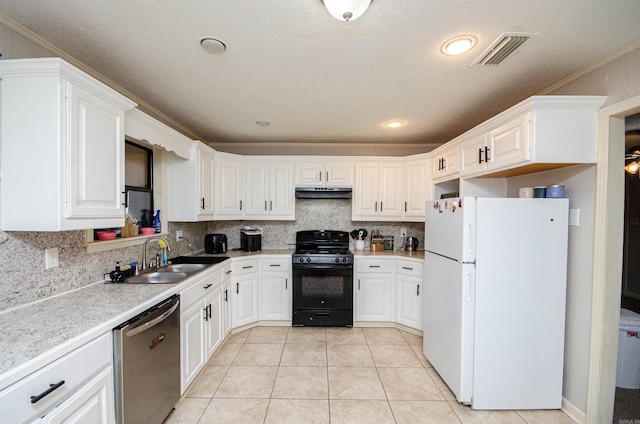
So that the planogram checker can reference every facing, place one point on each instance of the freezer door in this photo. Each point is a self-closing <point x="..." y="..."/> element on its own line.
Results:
<point x="450" y="228"/>
<point x="521" y="272"/>
<point x="447" y="321"/>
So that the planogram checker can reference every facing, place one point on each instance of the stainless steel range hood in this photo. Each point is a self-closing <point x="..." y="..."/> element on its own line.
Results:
<point x="323" y="192"/>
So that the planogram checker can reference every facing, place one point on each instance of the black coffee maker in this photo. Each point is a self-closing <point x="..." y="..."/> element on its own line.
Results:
<point x="215" y="243"/>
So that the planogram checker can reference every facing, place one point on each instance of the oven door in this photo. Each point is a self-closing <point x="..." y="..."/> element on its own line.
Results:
<point x="323" y="287"/>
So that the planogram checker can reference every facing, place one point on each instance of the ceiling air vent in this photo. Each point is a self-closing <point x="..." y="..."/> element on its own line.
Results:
<point x="502" y="48"/>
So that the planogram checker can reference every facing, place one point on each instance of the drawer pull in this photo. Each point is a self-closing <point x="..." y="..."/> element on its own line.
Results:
<point x="226" y="296"/>
<point x="247" y="267"/>
<point x="207" y="286"/>
<point x="51" y="388"/>
<point x="228" y="272"/>
<point x="274" y="265"/>
<point x="374" y="266"/>
<point x="418" y="292"/>
<point x="407" y="268"/>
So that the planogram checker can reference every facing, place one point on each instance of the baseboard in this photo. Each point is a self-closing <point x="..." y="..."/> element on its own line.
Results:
<point x="573" y="411"/>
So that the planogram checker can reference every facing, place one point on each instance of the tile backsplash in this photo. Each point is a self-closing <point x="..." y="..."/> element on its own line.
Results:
<point x="25" y="279"/>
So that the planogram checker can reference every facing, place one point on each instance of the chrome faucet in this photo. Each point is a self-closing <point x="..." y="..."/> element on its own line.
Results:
<point x="144" y="250"/>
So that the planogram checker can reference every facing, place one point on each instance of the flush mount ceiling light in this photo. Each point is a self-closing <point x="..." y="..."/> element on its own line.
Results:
<point x="212" y="45"/>
<point x="346" y="10"/>
<point x="458" y="45"/>
<point x="396" y="123"/>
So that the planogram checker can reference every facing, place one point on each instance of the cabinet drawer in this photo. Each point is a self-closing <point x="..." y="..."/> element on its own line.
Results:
<point x="226" y="271"/>
<point x="245" y="267"/>
<point x="198" y="290"/>
<point x="72" y="369"/>
<point x="409" y="268"/>
<point x="374" y="265"/>
<point x="279" y="264"/>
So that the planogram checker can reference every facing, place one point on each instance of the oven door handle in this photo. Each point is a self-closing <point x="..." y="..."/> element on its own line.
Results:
<point x="310" y="267"/>
<point x="149" y="324"/>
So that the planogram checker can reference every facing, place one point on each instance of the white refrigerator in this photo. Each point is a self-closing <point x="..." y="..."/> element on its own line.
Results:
<point x="494" y="299"/>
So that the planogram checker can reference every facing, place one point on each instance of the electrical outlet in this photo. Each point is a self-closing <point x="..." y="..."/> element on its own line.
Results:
<point x="403" y="232"/>
<point x="51" y="258"/>
<point x="178" y="235"/>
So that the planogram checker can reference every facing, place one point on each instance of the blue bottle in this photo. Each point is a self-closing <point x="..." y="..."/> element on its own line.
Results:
<point x="156" y="222"/>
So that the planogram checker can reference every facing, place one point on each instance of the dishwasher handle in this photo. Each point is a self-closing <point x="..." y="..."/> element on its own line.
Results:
<point x="144" y="326"/>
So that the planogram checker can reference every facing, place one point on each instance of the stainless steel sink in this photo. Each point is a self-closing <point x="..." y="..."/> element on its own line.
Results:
<point x="182" y="268"/>
<point x="157" y="277"/>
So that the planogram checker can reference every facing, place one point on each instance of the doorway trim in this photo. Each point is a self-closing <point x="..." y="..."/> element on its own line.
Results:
<point x="607" y="260"/>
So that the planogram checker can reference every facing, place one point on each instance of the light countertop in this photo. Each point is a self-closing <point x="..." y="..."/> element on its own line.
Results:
<point x="33" y="334"/>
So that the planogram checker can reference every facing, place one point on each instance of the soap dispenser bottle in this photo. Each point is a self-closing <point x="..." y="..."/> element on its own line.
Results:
<point x="117" y="276"/>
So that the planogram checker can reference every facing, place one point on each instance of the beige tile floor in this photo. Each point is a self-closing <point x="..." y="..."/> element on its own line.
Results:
<point x="330" y="375"/>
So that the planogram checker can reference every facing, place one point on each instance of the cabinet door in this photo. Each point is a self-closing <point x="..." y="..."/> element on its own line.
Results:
<point x="213" y="321"/>
<point x="92" y="403"/>
<point x="256" y="189"/>
<point x="450" y="162"/>
<point x="374" y="297"/>
<point x="192" y="340"/>
<point x="365" y="192"/>
<point x="95" y="157"/>
<point x="473" y="155"/>
<point x="245" y="299"/>
<point x="417" y="189"/>
<point x="509" y="143"/>
<point x="226" y="307"/>
<point x="206" y="174"/>
<point x="229" y="188"/>
<point x="409" y="301"/>
<point x="281" y="190"/>
<point x="275" y="296"/>
<point x="338" y="174"/>
<point x="390" y="194"/>
<point x="308" y="174"/>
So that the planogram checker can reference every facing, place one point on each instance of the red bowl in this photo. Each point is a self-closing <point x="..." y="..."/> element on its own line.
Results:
<point x="147" y="231"/>
<point x="106" y="235"/>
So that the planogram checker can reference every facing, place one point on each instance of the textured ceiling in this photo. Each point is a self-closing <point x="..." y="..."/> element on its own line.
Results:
<point x="319" y="80"/>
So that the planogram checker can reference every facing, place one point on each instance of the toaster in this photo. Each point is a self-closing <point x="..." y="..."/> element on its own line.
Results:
<point x="250" y="239"/>
<point x="215" y="243"/>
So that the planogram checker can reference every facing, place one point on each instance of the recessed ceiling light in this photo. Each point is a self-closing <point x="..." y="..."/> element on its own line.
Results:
<point x="458" y="45"/>
<point x="396" y="123"/>
<point x="212" y="45"/>
<point x="263" y="123"/>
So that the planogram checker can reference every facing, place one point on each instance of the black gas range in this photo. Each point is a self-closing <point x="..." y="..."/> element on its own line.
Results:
<point x="322" y="279"/>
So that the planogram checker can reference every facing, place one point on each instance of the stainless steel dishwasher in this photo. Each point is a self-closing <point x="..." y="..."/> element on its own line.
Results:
<point x="147" y="364"/>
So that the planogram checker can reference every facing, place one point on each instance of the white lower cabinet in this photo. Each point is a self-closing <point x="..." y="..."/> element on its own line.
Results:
<point x="374" y="290"/>
<point x="226" y="300"/>
<point x="245" y="289"/>
<point x="200" y="326"/>
<point x="92" y="403"/>
<point x="275" y="288"/>
<point x="77" y="387"/>
<point x="408" y="310"/>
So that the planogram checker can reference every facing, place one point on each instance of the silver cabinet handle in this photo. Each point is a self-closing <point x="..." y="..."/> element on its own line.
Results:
<point x="241" y="205"/>
<point x="286" y="282"/>
<point x="270" y="205"/>
<point x="265" y="205"/>
<point x="358" y="284"/>
<point x="376" y="209"/>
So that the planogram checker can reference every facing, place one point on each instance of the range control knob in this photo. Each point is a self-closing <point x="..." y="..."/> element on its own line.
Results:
<point x="308" y="260"/>
<point x="337" y="260"/>
<point x="301" y="260"/>
<point x="344" y="260"/>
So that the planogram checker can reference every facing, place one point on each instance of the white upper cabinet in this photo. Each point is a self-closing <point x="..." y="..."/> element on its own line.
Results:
<point x="229" y="188"/>
<point x="378" y="191"/>
<point x="444" y="163"/>
<point x="269" y="190"/>
<point x="332" y="173"/>
<point x="542" y="132"/>
<point x="417" y="188"/>
<point x="190" y="185"/>
<point x="62" y="151"/>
